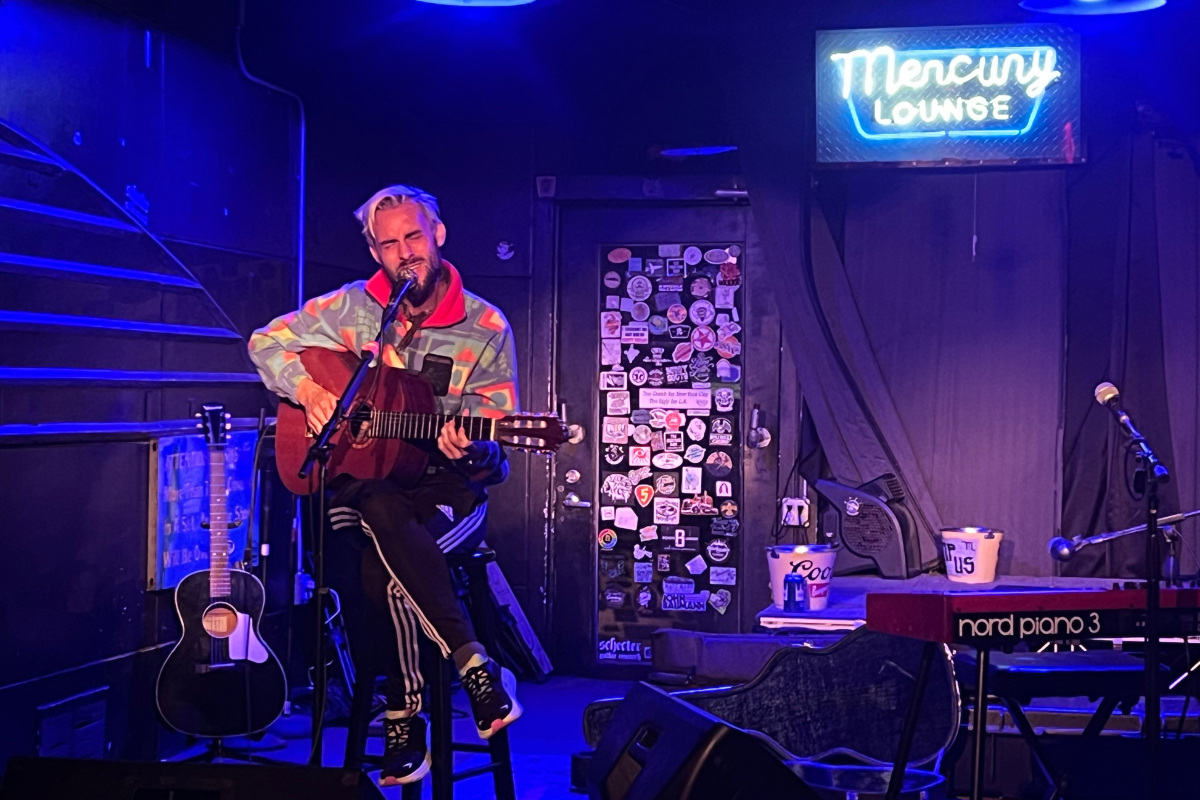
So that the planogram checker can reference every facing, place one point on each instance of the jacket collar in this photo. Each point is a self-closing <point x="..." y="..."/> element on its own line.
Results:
<point x="451" y="311"/>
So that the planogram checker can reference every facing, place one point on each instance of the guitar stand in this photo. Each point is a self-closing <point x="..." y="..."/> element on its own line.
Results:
<point x="219" y="751"/>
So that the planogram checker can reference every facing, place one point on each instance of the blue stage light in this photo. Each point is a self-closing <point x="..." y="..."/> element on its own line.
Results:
<point x="477" y="3"/>
<point x="1090" y="6"/>
<point x="684" y="152"/>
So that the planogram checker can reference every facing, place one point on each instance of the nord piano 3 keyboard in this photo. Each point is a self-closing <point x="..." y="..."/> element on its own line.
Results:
<point x="998" y="620"/>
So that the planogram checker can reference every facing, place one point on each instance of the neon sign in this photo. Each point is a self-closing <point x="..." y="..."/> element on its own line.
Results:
<point x="948" y="95"/>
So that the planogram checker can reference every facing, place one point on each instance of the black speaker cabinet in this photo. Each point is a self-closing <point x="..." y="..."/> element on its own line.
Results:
<point x="660" y="748"/>
<point x="73" y="779"/>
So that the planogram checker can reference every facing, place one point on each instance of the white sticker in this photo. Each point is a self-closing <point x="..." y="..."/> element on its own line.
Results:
<point x="626" y="518"/>
<point x="641" y="552"/>
<point x="692" y="256"/>
<point x="666" y="511"/>
<point x="626" y="304"/>
<point x="612" y="280"/>
<point x="608" y="513"/>
<point x="649" y="533"/>
<point x="677" y="585"/>
<point x="724" y="489"/>
<point x="610" y="324"/>
<point x="637" y="376"/>
<point x="615" y="379"/>
<point x="641" y="434"/>
<point x="667" y="460"/>
<point x="722" y="576"/>
<point x="685" y="602"/>
<point x="695" y="428"/>
<point x="631" y="354"/>
<point x="617" y="403"/>
<point x="637" y="333"/>
<point x="613" y="302"/>
<point x="700" y="399"/>
<point x="616" y="430"/>
<point x="639" y="287"/>
<point x="640" y="456"/>
<point x="673" y="441"/>
<point x="696" y="565"/>
<point x="724" y="297"/>
<point x="610" y="352"/>
<point x="691" y="480"/>
<point x="669" y="250"/>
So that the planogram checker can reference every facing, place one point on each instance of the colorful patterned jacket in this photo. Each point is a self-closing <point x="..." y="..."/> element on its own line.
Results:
<point x="463" y="327"/>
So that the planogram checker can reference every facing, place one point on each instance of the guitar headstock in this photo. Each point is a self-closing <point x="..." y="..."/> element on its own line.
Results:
<point x="214" y="422"/>
<point x="537" y="433"/>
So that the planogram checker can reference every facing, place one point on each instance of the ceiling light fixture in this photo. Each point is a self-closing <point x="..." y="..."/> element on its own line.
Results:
<point x="1090" y="7"/>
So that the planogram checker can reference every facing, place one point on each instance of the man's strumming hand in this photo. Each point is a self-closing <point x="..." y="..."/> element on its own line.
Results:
<point x="318" y="403"/>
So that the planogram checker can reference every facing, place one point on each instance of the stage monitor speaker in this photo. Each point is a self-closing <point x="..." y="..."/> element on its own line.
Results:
<point x="660" y="748"/>
<point x="871" y="526"/>
<point x="76" y="778"/>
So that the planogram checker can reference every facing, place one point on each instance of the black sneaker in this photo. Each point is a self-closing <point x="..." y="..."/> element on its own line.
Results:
<point x="405" y="754"/>
<point x="493" y="693"/>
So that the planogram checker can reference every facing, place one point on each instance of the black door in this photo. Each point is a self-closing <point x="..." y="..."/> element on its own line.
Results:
<point x="647" y="508"/>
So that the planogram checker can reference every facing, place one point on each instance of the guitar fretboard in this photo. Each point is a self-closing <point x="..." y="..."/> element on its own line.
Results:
<point x="402" y="425"/>
<point x="218" y="525"/>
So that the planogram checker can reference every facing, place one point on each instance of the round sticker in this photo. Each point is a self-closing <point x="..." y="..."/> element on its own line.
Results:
<point x="607" y="539"/>
<point x="718" y="464"/>
<point x="694" y="453"/>
<point x="637" y="376"/>
<point x="702" y="312"/>
<point x="612" y="280"/>
<point x="703" y="338"/>
<point x="667" y="460"/>
<point x="619" y="255"/>
<point x="728" y="509"/>
<point x="729" y="348"/>
<point x="640" y="312"/>
<point x="692" y="256"/>
<point x="641" y="434"/>
<point x="716" y="256"/>
<point x="657" y="324"/>
<point x="655" y="377"/>
<point x="718" y="551"/>
<point x="733" y="250"/>
<point x="695" y="429"/>
<point x="701" y="287"/>
<point x="639" y="287"/>
<point x="675" y="314"/>
<point x="673" y="420"/>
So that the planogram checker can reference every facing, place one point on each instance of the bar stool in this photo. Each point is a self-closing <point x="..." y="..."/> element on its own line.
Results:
<point x="469" y="573"/>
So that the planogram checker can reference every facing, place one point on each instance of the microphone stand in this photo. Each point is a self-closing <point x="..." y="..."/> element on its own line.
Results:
<point x="1146" y="480"/>
<point x="318" y="454"/>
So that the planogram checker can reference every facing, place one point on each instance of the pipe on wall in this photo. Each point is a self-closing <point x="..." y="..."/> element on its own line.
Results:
<point x="303" y="176"/>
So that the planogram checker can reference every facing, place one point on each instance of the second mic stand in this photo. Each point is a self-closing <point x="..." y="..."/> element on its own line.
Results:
<point x="318" y="454"/>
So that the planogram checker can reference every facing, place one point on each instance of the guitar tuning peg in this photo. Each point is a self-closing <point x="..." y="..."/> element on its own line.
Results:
<point x="228" y="426"/>
<point x="199" y="424"/>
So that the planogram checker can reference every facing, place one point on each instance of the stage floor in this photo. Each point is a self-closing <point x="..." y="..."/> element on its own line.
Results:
<point x="542" y="740"/>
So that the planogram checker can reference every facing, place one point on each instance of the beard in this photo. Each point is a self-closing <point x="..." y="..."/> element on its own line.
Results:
<point x="420" y="293"/>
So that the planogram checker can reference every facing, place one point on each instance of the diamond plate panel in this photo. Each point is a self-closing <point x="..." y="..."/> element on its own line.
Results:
<point x="919" y="120"/>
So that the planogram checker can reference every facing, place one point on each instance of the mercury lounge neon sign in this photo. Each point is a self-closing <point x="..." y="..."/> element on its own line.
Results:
<point x="952" y="92"/>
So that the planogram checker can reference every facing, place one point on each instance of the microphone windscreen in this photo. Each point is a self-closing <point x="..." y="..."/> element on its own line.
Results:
<point x="1061" y="549"/>
<point x="1106" y="393"/>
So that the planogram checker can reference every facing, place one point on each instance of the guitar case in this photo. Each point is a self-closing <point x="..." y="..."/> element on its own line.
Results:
<point x="694" y="658"/>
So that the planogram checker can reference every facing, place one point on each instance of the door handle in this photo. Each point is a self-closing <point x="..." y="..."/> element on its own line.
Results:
<point x="573" y="500"/>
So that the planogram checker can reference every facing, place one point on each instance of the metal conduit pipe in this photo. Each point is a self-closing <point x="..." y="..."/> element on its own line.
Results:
<point x="303" y="148"/>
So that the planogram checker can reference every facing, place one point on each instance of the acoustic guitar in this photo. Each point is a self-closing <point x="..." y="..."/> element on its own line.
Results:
<point x="395" y="408"/>
<point x="221" y="679"/>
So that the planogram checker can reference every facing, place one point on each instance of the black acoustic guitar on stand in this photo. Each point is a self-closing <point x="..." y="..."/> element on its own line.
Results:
<point x="221" y="680"/>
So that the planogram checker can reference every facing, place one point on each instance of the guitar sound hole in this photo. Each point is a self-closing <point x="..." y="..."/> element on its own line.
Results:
<point x="220" y="622"/>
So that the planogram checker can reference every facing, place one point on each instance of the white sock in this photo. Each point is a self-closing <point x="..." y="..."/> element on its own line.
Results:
<point x="403" y="714"/>
<point x="476" y="661"/>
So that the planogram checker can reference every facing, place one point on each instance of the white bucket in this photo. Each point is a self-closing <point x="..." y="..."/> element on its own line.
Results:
<point x="970" y="554"/>
<point x="813" y="561"/>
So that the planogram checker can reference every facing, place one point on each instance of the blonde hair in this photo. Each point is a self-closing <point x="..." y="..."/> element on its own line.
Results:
<point x="394" y="196"/>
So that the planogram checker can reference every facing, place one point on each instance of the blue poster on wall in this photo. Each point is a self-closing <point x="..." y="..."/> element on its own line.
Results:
<point x="180" y="526"/>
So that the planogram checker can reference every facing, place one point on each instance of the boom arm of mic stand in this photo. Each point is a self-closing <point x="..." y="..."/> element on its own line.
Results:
<point x="1077" y="543"/>
<point x="322" y="446"/>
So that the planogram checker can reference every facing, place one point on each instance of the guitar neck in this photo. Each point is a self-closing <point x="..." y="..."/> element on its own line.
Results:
<point x="403" y="425"/>
<point x="218" y="525"/>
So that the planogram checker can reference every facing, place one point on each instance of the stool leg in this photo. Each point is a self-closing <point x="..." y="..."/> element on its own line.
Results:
<point x="441" y="718"/>
<point x="482" y="607"/>
<point x="360" y="715"/>
<point x="411" y="791"/>
<point x="502" y="776"/>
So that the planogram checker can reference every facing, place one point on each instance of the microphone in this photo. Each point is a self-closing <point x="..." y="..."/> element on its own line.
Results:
<point x="1109" y="396"/>
<point x="1062" y="549"/>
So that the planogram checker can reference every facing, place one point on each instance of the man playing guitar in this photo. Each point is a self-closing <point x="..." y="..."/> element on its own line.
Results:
<point x="413" y="526"/>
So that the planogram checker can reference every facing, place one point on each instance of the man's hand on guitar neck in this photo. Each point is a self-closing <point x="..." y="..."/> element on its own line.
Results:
<point x="453" y="441"/>
<point x="318" y="403"/>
